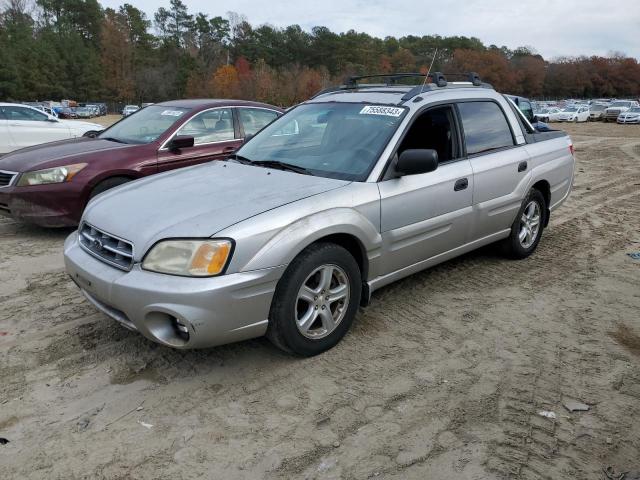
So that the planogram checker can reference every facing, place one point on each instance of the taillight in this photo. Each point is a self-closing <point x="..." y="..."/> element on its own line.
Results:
<point x="571" y="149"/>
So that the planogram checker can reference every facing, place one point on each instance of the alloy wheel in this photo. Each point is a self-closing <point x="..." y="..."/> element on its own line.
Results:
<point x="529" y="224"/>
<point x="322" y="301"/>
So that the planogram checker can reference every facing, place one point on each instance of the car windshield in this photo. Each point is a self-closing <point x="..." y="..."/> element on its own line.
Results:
<point x="145" y="126"/>
<point x="570" y="109"/>
<point x="597" y="108"/>
<point x="635" y="110"/>
<point x="621" y="104"/>
<point x="335" y="140"/>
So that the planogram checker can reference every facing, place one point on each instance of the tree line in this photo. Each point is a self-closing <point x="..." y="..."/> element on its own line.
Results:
<point x="53" y="49"/>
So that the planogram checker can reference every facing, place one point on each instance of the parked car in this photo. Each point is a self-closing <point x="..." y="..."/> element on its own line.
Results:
<point x="129" y="109"/>
<point x="84" y="112"/>
<point x="23" y="126"/>
<point x="596" y="111"/>
<point x="67" y="113"/>
<point x="574" y="114"/>
<point x="630" y="116"/>
<point x="343" y="194"/>
<point x="616" y="108"/>
<point x="50" y="185"/>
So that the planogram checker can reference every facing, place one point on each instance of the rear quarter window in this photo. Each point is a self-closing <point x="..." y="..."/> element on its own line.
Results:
<point x="485" y="127"/>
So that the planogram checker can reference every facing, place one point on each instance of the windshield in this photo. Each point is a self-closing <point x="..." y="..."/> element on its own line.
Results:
<point x="570" y="109"/>
<point x="335" y="140"/>
<point x="597" y="108"/>
<point x="621" y="104"/>
<point x="145" y="126"/>
<point x="635" y="110"/>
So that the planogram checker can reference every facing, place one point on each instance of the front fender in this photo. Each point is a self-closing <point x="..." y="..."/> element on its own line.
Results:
<point x="282" y="248"/>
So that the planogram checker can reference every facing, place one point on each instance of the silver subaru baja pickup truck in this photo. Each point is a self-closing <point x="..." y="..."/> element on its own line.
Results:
<point x="356" y="188"/>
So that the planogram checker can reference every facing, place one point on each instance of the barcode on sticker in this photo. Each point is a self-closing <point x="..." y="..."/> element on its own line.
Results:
<point x="376" y="110"/>
<point x="173" y="113"/>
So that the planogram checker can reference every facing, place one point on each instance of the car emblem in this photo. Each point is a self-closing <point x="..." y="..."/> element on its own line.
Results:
<point x="98" y="245"/>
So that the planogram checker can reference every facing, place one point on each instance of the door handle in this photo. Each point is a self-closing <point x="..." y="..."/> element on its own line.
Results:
<point x="522" y="166"/>
<point x="461" y="184"/>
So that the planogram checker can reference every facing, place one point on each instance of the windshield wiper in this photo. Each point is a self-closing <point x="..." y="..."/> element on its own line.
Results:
<point x="240" y="159"/>
<point x="281" y="166"/>
<point x="112" y="139"/>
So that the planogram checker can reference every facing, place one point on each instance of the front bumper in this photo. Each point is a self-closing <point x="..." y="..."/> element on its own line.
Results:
<point x="52" y="205"/>
<point x="215" y="310"/>
<point x="634" y="120"/>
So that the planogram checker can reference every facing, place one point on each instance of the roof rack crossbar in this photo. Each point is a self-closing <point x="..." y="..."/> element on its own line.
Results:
<point x="439" y="79"/>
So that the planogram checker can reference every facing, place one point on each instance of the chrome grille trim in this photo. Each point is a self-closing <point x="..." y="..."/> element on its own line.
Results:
<point x="106" y="247"/>
<point x="7" y="178"/>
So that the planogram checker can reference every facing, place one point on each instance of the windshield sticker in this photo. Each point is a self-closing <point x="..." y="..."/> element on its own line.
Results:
<point x="388" y="111"/>
<point x="172" y="113"/>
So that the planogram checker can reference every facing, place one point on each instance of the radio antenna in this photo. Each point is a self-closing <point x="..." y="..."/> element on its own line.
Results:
<point x="429" y="71"/>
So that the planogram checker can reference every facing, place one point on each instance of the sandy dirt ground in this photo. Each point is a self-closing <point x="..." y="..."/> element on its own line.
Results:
<point x="106" y="120"/>
<point x="444" y="376"/>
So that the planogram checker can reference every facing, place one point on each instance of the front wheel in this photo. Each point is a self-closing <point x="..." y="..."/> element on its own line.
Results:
<point x="526" y="229"/>
<point x="315" y="301"/>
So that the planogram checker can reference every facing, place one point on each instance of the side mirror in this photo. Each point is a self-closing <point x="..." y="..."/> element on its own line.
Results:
<point x="181" y="141"/>
<point x="416" y="161"/>
<point x="248" y="137"/>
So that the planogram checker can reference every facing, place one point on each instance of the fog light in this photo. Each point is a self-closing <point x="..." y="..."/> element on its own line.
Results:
<point x="181" y="329"/>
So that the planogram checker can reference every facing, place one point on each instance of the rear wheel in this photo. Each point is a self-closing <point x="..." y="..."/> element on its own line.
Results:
<point x="526" y="229"/>
<point x="315" y="301"/>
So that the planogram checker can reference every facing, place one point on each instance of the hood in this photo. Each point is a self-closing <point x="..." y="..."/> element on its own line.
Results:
<point x="617" y="109"/>
<point x="197" y="202"/>
<point x="56" y="154"/>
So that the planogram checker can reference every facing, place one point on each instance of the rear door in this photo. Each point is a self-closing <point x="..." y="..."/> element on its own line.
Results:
<point x="253" y="119"/>
<point x="28" y="126"/>
<point x="499" y="164"/>
<point x="216" y="135"/>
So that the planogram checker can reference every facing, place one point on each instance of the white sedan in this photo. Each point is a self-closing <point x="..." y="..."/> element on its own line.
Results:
<point x="23" y="126"/>
<point x="574" y="114"/>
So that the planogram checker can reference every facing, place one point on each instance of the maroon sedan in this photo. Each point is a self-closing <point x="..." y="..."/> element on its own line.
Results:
<point x="50" y="184"/>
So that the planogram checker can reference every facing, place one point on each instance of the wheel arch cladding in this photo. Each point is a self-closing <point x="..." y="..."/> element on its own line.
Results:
<point x="543" y="187"/>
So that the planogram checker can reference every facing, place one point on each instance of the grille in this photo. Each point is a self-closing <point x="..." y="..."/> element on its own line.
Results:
<point x="106" y="247"/>
<point x="6" y="178"/>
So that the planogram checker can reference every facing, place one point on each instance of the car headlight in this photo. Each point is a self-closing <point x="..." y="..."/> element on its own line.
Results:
<point x="50" y="175"/>
<point x="193" y="258"/>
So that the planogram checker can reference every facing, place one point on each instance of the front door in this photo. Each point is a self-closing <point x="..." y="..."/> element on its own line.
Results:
<point x="216" y="136"/>
<point x="428" y="214"/>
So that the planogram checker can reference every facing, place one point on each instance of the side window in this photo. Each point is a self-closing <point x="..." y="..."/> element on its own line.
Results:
<point x="21" y="113"/>
<point x="253" y="119"/>
<point x="485" y="127"/>
<point x="210" y="126"/>
<point x="433" y="130"/>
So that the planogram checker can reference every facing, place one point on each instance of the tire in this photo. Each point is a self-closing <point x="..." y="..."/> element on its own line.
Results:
<point x="297" y="323"/>
<point x="108" y="184"/>
<point x="514" y="246"/>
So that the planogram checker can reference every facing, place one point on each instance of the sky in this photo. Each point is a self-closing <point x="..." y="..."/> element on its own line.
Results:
<point x="553" y="27"/>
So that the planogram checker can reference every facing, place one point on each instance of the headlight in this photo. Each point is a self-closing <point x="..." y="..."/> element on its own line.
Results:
<point x="193" y="258"/>
<point x="50" y="175"/>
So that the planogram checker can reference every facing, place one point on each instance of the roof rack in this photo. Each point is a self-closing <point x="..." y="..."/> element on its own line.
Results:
<point x="439" y="80"/>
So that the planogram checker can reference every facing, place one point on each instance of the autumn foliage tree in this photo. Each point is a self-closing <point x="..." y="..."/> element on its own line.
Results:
<point x="52" y="49"/>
